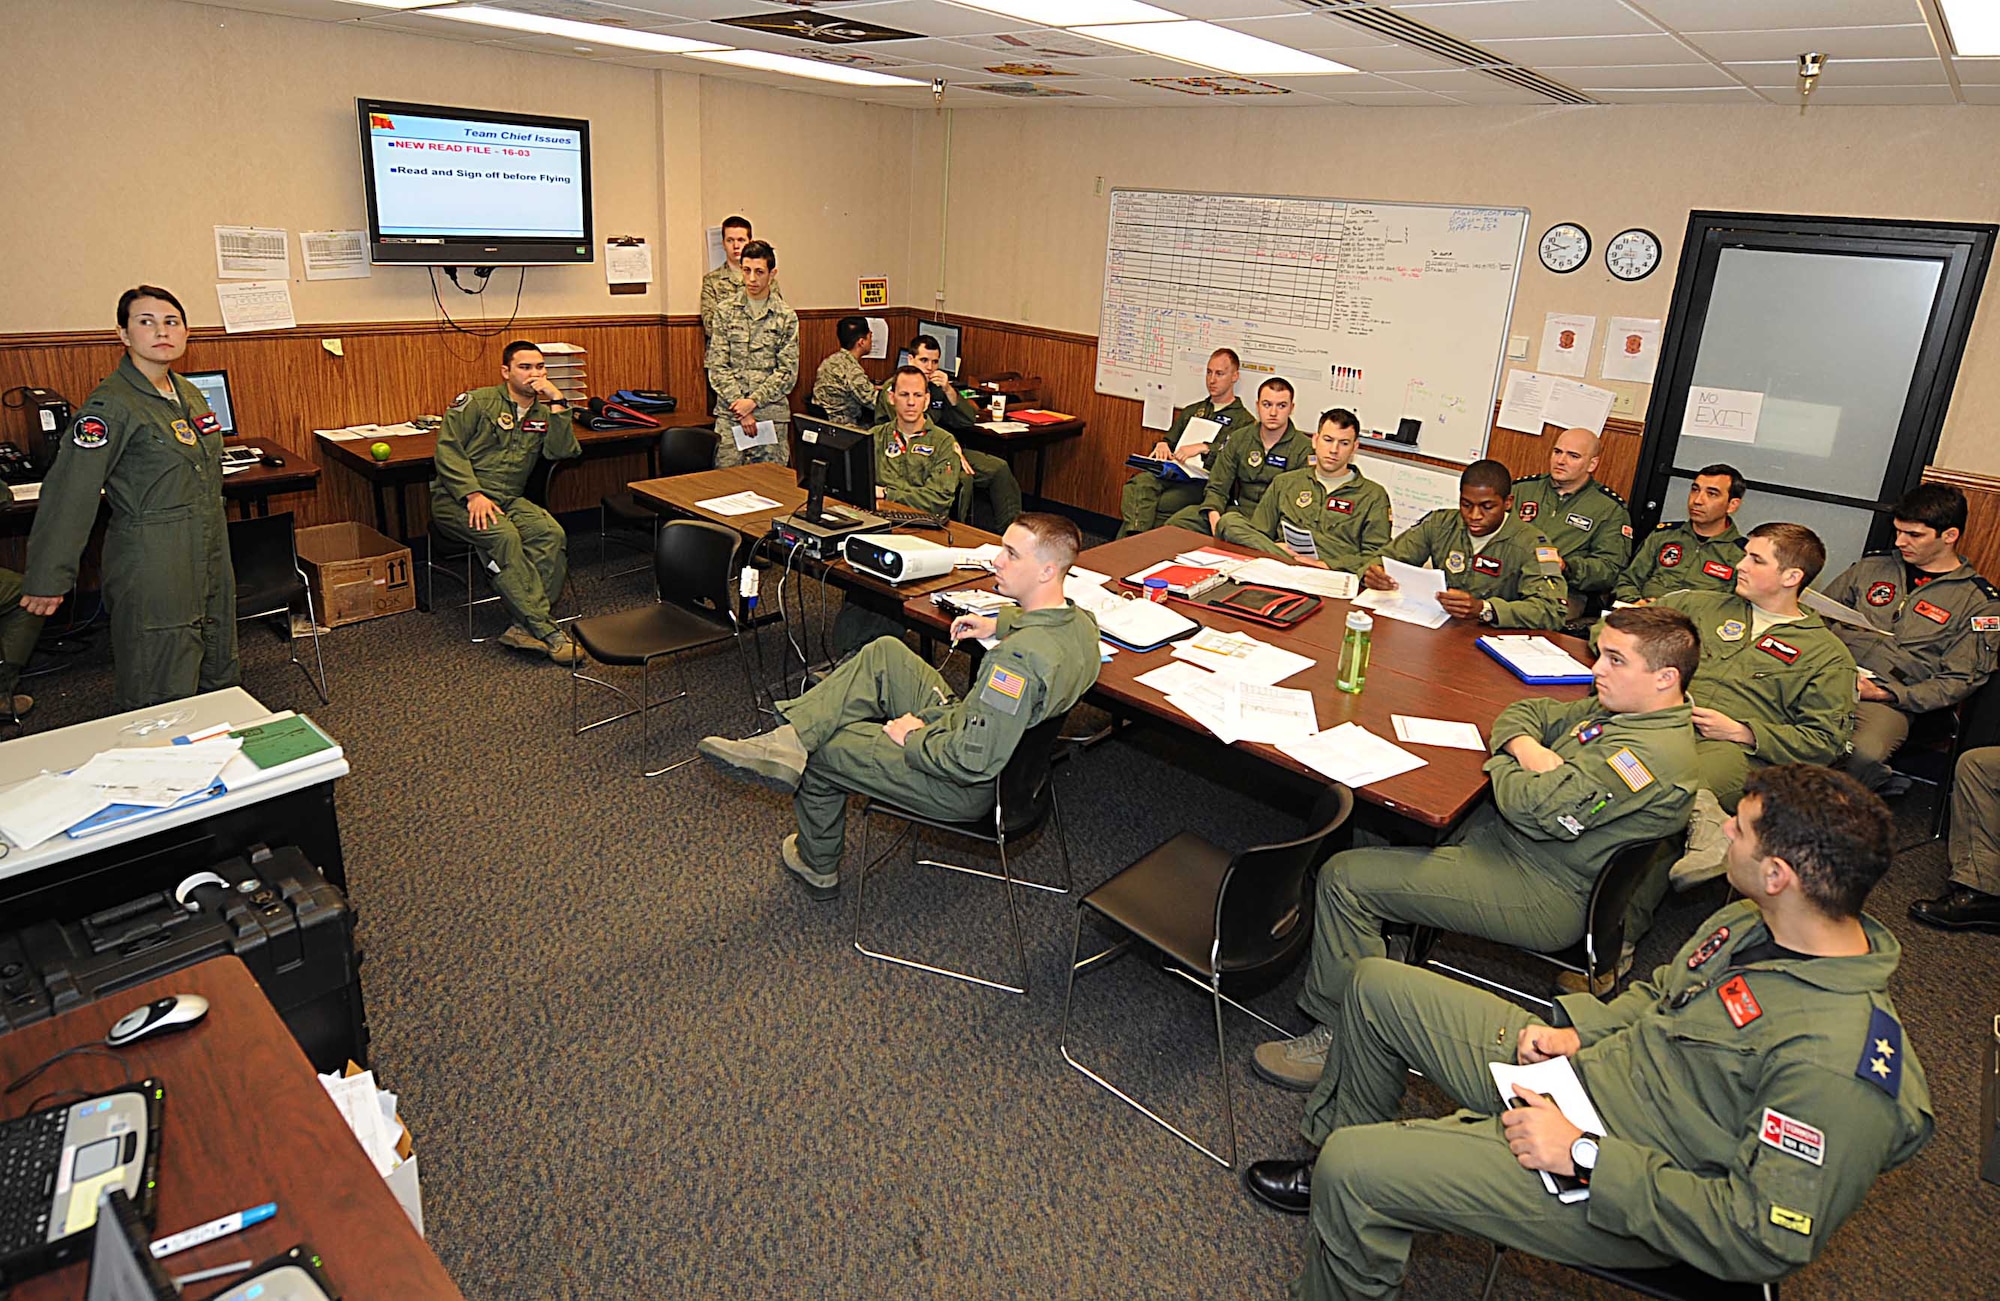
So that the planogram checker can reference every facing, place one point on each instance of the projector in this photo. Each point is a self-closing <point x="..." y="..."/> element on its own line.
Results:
<point x="894" y="558"/>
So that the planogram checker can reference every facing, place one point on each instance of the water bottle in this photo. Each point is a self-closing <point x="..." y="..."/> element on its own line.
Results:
<point x="1353" y="673"/>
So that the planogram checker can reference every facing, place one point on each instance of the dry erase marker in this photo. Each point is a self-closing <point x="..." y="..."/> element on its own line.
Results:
<point x="214" y="1229"/>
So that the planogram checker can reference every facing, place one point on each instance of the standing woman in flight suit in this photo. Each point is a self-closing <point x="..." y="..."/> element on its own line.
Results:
<point x="148" y="441"/>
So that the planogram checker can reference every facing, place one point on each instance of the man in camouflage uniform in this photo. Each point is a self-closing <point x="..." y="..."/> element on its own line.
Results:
<point x="1149" y="500"/>
<point x="1498" y="570"/>
<point x="753" y="362"/>
<point x="1241" y="472"/>
<point x="1324" y="514"/>
<point x="840" y="386"/>
<point x="727" y="279"/>
<point x="1700" y="552"/>
<point x="1585" y="520"/>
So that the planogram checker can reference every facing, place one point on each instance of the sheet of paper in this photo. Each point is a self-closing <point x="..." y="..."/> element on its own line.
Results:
<point x="1566" y="343"/>
<point x="1094" y="597"/>
<point x="1090" y="575"/>
<point x="1203" y="558"/>
<point x="1299" y="540"/>
<point x="1352" y="755"/>
<point x="1537" y="656"/>
<point x="1815" y="600"/>
<point x="1206" y="705"/>
<point x="1241" y="656"/>
<point x="46" y="806"/>
<point x="739" y="503"/>
<point x="1412" y="730"/>
<point x="252" y="253"/>
<point x="1392" y="605"/>
<point x="1156" y="410"/>
<point x="1269" y="571"/>
<point x="974" y="557"/>
<point x="26" y="491"/>
<point x="1199" y="429"/>
<point x="1729" y="414"/>
<point x="335" y="254"/>
<point x="713" y="242"/>
<point x="1006" y="426"/>
<point x="1573" y="404"/>
<point x="1557" y="1080"/>
<point x="157" y="775"/>
<point x="255" y="305"/>
<point x="1179" y="676"/>
<point x="628" y="262"/>
<point x="878" y="338"/>
<point x="1522" y="406"/>
<point x="1631" y="349"/>
<point x="1272" y="715"/>
<point x="766" y="435"/>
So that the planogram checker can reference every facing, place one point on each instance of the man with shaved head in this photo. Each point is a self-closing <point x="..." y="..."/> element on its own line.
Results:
<point x="1585" y="520"/>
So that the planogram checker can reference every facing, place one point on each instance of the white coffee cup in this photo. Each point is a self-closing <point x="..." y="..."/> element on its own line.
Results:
<point x="999" y="406"/>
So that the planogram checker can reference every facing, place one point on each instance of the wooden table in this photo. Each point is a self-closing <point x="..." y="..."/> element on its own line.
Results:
<point x="1035" y="438"/>
<point x="1431" y="673"/>
<point x="411" y="456"/>
<point x="245" y="1122"/>
<point x="249" y="489"/>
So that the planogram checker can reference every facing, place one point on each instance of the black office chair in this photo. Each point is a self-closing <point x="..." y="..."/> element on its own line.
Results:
<point x="453" y="553"/>
<point x="686" y="449"/>
<point x="1218" y="918"/>
<point x="1596" y="954"/>
<point x="695" y="570"/>
<point x="1024" y="796"/>
<point x="1668" y="1283"/>
<point x="269" y="581"/>
<point x="1933" y="759"/>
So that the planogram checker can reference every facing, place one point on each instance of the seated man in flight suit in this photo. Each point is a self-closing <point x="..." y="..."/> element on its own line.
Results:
<point x="488" y="444"/>
<point x="1752" y="1090"/>
<point x="1587" y="522"/>
<point x="1700" y="551"/>
<point x="1498" y="570"/>
<point x="1249" y="459"/>
<point x="992" y="479"/>
<point x="1149" y="501"/>
<point x="1573" y="783"/>
<point x="886" y="724"/>
<point x="1341" y="517"/>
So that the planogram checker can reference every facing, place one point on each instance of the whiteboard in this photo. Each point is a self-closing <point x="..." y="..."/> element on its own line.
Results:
<point x="1393" y="310"/>
<point x="1415" y="489"/>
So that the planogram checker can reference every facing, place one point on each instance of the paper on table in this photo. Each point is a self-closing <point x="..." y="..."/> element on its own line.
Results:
<point x="1566" y="343"/>
<point x="1269" y="571"/>
<point x="1005" y="427"/>
<point x="1273" y="715"/>
<point x="157" y="775"/>
<point x="1727" y="414"/>
<point x="255" y="305"/>
<point x="1555" y="1079"/>
<point x="1089" y="575"/>
<point x="878" y="338"/>
<point x="335" y="254"/>
<point x="251" y="253"/>
<point x="1414" y="598"/>
<point x="45" y="806"/>
<point x="765" y="436"/>
<point x="1203" y="558"/>
<point x="1156" y="410"/>
<point x="1179" y="676"/>
<point x="1241" y="656"/>
<point x="1537" y="656"/>
<point x="1521" y="408"/>
<point x="974" y="557"/>
<point x="1631" y="348"/>
<point x="1353" y="755"/>
<point x="1437" y="731"/>
<point x="1576" y="405"/>
<point x="1206" y="705"/>
<point x="739" y="503"/>
<point x="627" y="262"/>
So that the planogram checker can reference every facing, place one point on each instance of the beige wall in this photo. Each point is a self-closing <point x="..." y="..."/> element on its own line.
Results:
<point x="1038" y="256"/>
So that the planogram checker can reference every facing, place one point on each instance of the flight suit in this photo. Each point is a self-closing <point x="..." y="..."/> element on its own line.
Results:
<point x="1516" y="572"/>
<point x="1241" y="471"/>
<point x="1590" y="527"/>
<point x="1520" y="868"/>
<point x="1349" y="525"/>
<point x="1942" y="638"/>
<point x="1675" y="556"/>
<point x="1975" y="819"/>
<point x="1750" y="1100"/>
<point x="844" y="391"/>
<point x="722" y="283"/>
<point x="488" y="445"/>
<point x="1044" y="662"/>
<point x="922" y="472"/>
<point x="753" y="352"/>
<point x="1148" y="500"/>
<point x="992" y="477"/>
<point x="19" y="630"/>
<point x="167" y="574"/>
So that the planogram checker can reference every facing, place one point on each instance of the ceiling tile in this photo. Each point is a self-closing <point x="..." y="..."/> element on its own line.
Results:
<point x="1850" y="95"/>
<point x="1389" y="58"/>
<point x="1771" y="15"/>
<point x="1499" y="92"/>
<point x="1908" y="42"/>
<point x="1443" y="83"/>
<point x="1650" y="76"/>
<point x="1394" y="99"/>
<point x="1846" y="72"/>
<point x="653" y="13"/>
<point x="1217" y="10"/>
<point x="1977" y="72"/>
<point x="930" y="17"/>
<point x="1593" y="51"/>
<point x="1984" y="94"/>
<point x="1041" y="43"/>
<point x="1703" y="95"/>
<point x="1484" y="20"/>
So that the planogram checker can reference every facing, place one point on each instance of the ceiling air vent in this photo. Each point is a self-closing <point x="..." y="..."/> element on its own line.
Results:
<point x="1405" y="30"/>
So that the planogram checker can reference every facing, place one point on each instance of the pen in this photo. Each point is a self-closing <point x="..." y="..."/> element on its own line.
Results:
<point x="200" y="1233"/>
<point x="203" y="1275"/>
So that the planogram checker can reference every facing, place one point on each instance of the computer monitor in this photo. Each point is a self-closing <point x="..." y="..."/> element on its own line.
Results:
<point x="836" y="459"/>
<point x="214" y="386"/>
<point x="948" y="341"/>
<point x="122" y="1267"/>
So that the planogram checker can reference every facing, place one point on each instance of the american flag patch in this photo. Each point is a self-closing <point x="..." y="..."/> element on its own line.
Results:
<point x="1630" y="770"/>
<point x="1012" y="684"/>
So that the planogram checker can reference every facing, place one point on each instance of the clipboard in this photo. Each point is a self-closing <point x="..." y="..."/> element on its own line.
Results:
<point x="1496" y="647"/>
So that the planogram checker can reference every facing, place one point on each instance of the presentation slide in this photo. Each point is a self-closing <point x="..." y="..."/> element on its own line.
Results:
<point x="450" y="176"/>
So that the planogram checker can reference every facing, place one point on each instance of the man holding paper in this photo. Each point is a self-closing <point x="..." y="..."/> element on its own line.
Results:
<point x="1573" y="783"/>
<point x="1498" y="570"/>
<point x="1241" y="472"/>
<point x="753" y="362"/>
<point x="1750" y="1092"/>
<point x="1197" y="430"/>
<point x="1700" y="551"/>
<point x="1324" y="514"/>
<point x="1586" y="520"/>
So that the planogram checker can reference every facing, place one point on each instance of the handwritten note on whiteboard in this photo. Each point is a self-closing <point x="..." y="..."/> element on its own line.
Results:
<point x="1729" y="414"/>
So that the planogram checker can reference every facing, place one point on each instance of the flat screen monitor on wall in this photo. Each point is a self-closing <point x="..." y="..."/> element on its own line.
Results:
<point x="473" y="187"/>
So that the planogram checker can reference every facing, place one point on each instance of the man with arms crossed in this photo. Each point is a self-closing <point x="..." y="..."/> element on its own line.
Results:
<point x="1585" y="520"/>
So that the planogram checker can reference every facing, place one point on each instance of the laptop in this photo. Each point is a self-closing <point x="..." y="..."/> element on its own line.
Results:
<point x="54" y="1164"/>
<point x="122" y="1267"/>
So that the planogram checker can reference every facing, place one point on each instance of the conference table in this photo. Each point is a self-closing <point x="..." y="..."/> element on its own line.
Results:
<point x="1425" y="672"/>
<point x="245" y="1121"/>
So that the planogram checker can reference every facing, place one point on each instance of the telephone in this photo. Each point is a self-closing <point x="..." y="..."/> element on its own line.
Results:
<point x="15" y="467"/>
<point x="49" y="414"/>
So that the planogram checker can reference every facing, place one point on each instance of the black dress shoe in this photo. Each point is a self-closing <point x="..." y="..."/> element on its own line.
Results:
<point x="1281" y="1185"/>
<point x="1960" y="908"/>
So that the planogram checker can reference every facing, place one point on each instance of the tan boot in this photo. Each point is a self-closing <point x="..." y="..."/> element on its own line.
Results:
<point x="520" y="638"/>
<point x="562" y="650"/>
<point x="777" y="758"/>
<point x="1707" y="847"/>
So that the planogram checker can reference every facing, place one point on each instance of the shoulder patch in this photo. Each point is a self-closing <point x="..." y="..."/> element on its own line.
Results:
<point x="1709" y="947"/>
<point x="1548" y="555"/>
<point x="1003" y="689"/>
<point x="1979" y="581"/>
<point x="1881" y="1061"/>
<point x="1670" y="555"/>
<point x="90" y="432"/>
<point x="1986" y="623"/>
<point x="1738" y="1001"/>
<point x="1786" y="1218"/>
<point x="1626" y="530"/>
<point x="1791" y="1136"/>
<point x="458" y="403"/>
<point x="1530" y="509"/>
<point x="1630" y="770"/>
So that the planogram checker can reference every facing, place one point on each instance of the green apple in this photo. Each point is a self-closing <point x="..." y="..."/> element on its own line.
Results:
<point x="380" y="451"/>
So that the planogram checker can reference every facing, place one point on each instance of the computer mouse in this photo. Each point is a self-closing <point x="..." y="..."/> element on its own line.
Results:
<point x="162" y="1015"/>
<point x="275" y="462"/>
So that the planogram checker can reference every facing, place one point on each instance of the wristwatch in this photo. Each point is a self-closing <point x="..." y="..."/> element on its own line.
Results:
<point x="1583" y="1155"/>
<point x="1486" y="612"/>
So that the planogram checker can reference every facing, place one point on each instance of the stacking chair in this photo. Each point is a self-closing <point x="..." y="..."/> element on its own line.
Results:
<point x="1933" y="760"/>
<point x="455" y="553"/>
<point x="1217" y="918"/>
<point x="1024" y="796"/>
<point x="1596" y="954"/>
<point x="1668" y="1283"/>
<point x="686" y="449"/>
<point x="269" y="581"/>
<point x="694" y="568"/>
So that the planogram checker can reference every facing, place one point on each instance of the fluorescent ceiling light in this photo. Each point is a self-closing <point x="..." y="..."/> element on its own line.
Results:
<point x="1207" y="46"/>
<point x="1975" y="27"/>
<point x="570" y="30"/>
<point x="796" y="67"/>
<point x="1074" y="13"/>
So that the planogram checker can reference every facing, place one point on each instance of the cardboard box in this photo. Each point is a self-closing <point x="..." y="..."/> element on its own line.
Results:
<point x="355" y="572"/>
<point x="403" y="1181"/>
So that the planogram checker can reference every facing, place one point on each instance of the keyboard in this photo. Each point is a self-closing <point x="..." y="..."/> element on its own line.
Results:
<point x="912" y="518"/>
<point x="30" y="1153"/>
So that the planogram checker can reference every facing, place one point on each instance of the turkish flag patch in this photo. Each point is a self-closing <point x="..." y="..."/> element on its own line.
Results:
<point x="1486" y="565"/>
<point x="1670" y="555"/>
<point x="1716" y="569"/>
<point x="1935" y="613"/>
<point x="1880" y="594"/>
<point x="1779" y="650"/>
<point x="1738" y="1001"/>
<point x="1340" y="504"/>
<point x="1709" y="947"/>
<point x="1801" y="1140"/>
<point x="1530" y="509"/>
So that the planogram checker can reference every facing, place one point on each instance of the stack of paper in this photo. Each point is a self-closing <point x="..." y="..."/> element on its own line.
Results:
<point x="1269" y="571"/>
<point x="974" y="557"/>
<point x="1555" y="1079"/>
<point x="1233" y="709"/>
<point x="1536" y="658"/>
<point x="45" y="806"/>
<point x="1241" y="656"/>
<point x="746" y="502"/>
<point x="371" y="1114"/>
<point x="352" y="432"/>
<point x="157" y="776"/>
<point x="1353" y="755"/>
<point x="1414" y="598"/>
